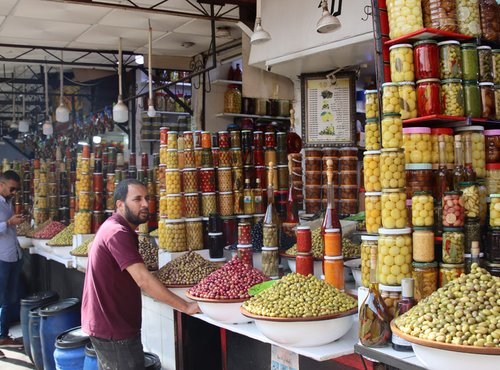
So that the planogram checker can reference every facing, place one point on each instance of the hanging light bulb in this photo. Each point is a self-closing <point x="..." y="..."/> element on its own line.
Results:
<point x="47" y="127"/>
<point x="24" y="124"/>
<point x="62" y="113"/>
<point x="151" y="107"/>
<point x="328" y="22"/>
<point x="120" y="110"/>
<point x="259" y="34"/>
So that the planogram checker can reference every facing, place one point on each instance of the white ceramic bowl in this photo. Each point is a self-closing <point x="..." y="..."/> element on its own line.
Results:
<point x="304" y="333"/>
<point x="318" y="266"/>
<point x="24" y="242"/>
<point x="226" y="311"/>
<point x="355" y="266"/>
<point x="40" y="243"/>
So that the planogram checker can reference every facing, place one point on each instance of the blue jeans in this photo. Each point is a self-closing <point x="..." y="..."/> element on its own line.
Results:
<point x="126" y="354"/>
<point x="10" y="273"/>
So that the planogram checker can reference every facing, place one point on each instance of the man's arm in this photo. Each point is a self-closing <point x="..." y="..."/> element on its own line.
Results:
<point x="154" y="288"/>
<point x="14" y="220"/>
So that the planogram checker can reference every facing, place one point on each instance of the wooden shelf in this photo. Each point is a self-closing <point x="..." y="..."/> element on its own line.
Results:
<point x="241" y="115"/>
<point x="226" y="82"/>
<point x="426" y="34"/>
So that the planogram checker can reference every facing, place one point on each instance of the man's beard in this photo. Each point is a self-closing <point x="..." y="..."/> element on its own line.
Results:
<point x="134" y="219"/>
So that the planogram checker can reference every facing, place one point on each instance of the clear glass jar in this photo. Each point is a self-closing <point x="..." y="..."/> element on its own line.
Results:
<point x="418" y="178"/>
<point x="496" y="66"/>
<point x="476" y="134"/>
<point x="172" y="235"/>
<point x="401" y="62"/>
<point x="470" y="62"/>
<point x="390" y="98"/>
<point x="452" y="97"/>
<point x="367" y="243"/>
<point x="493" y="268"/>
<point x="485" y="63"/>
<point x="194" y="233"/>
<point x="453" y="245"/>
<point x="426" y="59"/>
<point x="373" y="210"/>
<point x="174" y="206"/>
<point x="453" y="209"/>
<point x="493" y="178"/>
<point x="372" y="134"/>
<point x="450" y="59"/>
<point x="232" y="99"/>
<point x="449" y="272"/>
<point x="392" y="168"/>
<point x="426" y="279"/>
<point x="391" y="296"/>
<point x="423" y="244"/>
<point x="470" y="198"/>
<point x="270" y="262"/>
<point x="440" y="15"/>
<point x="495" y="210"/>
<point x="226" y="203"/>
<point x="404" y="17"/>
<point x="422" y="209"/>
<point x="191" y="205"/>
<point x="483" y="206"/>
<point x="493" y="245"/>
<point x="208" y="204"/>
<point x="408" y="99"/>
<point x="190" y="180"/>
<point x="497" y="102"/>
<point x="490" y="24"/>
<point x="428" y="97"/>
<point x="472" y="99"/>
<point x="173" y="181"/>
<point x="472" y="232"/>
<point x="487" y="90"/>
<point x="371" y="104"/>
<point x="468" y="19"/>
<point x="83" y="221"/>
<point x="446" y="135"/>
<point x="371" y="170"/>
<point x="392" y="131"/>
<point x="417" y="144"/>
<point x="394" y="212"/>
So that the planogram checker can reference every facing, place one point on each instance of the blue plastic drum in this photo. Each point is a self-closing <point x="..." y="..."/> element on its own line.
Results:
<point x="90" y="362"/>
<point x="34" y="338"/>
<point x="70" y="349"/>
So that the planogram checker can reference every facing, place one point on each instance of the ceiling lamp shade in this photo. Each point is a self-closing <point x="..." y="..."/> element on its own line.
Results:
<point x="24" y="124"/>
<point x="62" y="112"/>
<point x="47" y="128"/>
<point x="120" y="110"/>
<point x="151" y="107"/>
<point x="13" y="124"/>
<point x="328" y="22"/>
<point x="259" y="34"/>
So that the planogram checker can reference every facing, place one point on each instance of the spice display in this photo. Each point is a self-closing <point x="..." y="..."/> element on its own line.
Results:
<point x="440" y="14"/>
<point x="495" y="210"/>
<point x="428" y="97"/>
<point x="371" y="104"/>
<point x="316" y="245"/>
<point x="487" y="90"/>
<point x="83" y="249"/>
<point x="469" y="22"/>
<point x="426" y="279"/>
<point x="485" y="63"/>
<point x="394" y="255"/>
<point x="289" y="298"/>
<point x="173" y="181"/>
<point x="453" y="245"/>
<point x="457" y="300"/>
<point x="390" y="98"/>
<point x="426" y="59"/>
<point x="149" y="253"/>
<point x="422" y="209"/>
<point x="63" y="238"/>
<point x="453" y="209"/>
<point x="188" y="269"/>
<point x="407" y="100"/>
<point x="403" y="22"/>
<point x="401" y="61"/>
<point x="373" y="210"/>
<point x="470" y="62"/>
<point x="194" y="233"/>
<point x="394" y="212"/>
<point x="392" y="131"/>
<point x="452" y="98"/>
<point x="231" y="281"/>
<point x="450" y="60"/>
<point x="208" y="204"/>
<point x="417" y="144"/>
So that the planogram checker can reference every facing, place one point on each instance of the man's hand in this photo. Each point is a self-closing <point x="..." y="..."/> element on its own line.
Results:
<point x="15" y="220"/>
<point x="192" y="308"/>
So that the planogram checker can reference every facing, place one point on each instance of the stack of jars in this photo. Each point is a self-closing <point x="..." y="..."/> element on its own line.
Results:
<point x="297" y="178"/>
<point x="348" y="179"/>
<point x="40" y="187"/>
<point x="245" y="250"/>
<point x="313" y="179"/>
<point x="83" y="186"/>
<point x="25" y="196"/>
<point x="63" y="182"/>
<point x="333" y="261"/>
<point x="98" y="192"/>
<point x="332" y="154"/>
<point x="281" y="174"/>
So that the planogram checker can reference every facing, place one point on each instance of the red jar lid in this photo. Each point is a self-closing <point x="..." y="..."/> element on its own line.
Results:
<point x="493" y="166"/>
<point x="442" y="131"/>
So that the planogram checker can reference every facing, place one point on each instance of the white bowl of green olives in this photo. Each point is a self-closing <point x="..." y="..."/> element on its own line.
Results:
<point x="25" y="242"/>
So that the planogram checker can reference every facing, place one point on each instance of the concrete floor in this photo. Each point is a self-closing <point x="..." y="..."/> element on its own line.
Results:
<point x="15" y="358"/>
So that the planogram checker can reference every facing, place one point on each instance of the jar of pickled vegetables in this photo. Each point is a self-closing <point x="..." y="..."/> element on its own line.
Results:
<point x="453" y="245"/>
<point x="232" y="100"/>
<point x="453" y="209"/>
<point x="450" y="59"/>
<point x="173" y="181"/>
<point x="174" y="206"/>
<point x="440" y="15"/>
<point x="371" y="104"/>
<point x="423" y="244"/>
<point x="372" y="134"/>
<point x="208" y="204"/>
<point x="452" y="98"/>
<point x="401" y="63"/>
<point x="405" y="16"/>
<point x="470" y="198"/>
<point x="408" y="100"/>
<point x="426" y="279"/>
<point x="426" y="58"/>
<point x="391" y="295"/>
<point x="373" y="210"/>
<point x="493" y="178"/>
<point x="270" y="262"/>
<point x="368" y="242"/>
<point x="470" y="62"/>
<point x="476" y="134"/>
<point x="392" y="168"/>
<point x="191" y="205"/>
<point x="390" y="98"/>
<point x="468" y="19"/>
<point x="190" y="180"/>
<point x="418" y="178"/>
<point x="472" y="233"/>
<point x="428" y="97"/>
<point x="449" y="272"/>
<point x="490" y="24"/>
<point x="497" y="102"/>
<point x="422" y="209"/>
<point x="472" y="99"/>
<point x="392" y="131"/>
<point x="173" y="238"/>
<point x="495" y="210"/>
<point x="496" y="66"/>
<point x="194" y="233"/>
<point x="483" y="206"/>
<point x="226" y="203"/>
<point x="446" y="135"/>
<point x="485" y="63"/>
<point x="487" y="90"/>
<point x="394" y="213"/>
<point x="371" y="170"/>
<point x="394" y="255"/>
<point x="417" y="144"/>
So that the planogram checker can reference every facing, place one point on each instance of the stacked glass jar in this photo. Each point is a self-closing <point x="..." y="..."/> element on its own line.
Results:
<point x="333" y="263"/>
<point x="83" y="187"/>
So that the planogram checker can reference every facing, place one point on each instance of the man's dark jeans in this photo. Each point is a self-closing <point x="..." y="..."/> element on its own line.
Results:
<point x="126" y="354"/>
<point x="9" y="285"/>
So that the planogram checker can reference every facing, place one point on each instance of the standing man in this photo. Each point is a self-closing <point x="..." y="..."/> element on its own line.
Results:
<point x="10" y="255"/>
<point x="116" y="274"/>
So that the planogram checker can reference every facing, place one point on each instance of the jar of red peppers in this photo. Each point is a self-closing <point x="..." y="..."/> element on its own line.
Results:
<point x="428" y="97"/>
<point x="426" y="59"/>
<point x="453" y="209"/>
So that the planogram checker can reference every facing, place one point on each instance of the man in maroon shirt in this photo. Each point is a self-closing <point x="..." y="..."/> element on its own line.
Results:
<point x="116" y="273"/>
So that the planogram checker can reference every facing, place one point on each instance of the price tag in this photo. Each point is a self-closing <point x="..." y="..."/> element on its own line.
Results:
<point x="282" y="359"/>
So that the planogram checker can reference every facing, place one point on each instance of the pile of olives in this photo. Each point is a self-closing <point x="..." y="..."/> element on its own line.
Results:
<point x="188" y="269"/>
<point x="64" y="238"/>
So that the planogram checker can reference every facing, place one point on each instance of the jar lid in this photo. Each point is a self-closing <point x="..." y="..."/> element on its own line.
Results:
<point x="467" y="183"/>
<point x="215" y="234"/>
<point x="173" y="132"/>
<point x="401" y="46"/>
<point x="422" y="192"/>
<point x="496" y="50"/>
<point x="390" y="84"/>
<point x="333" y="258"/>
<point x="225" y="193"/>
<point x="469" y="82"/>
<point x="469" y="128"/>
<point x="453" y="192"/>
<point x="493" y="166"/>
<point x="449" y="42"/>
<point x="195" y="219"/>
<point x="348" y="149"/>
<point x="388" y="150"/>
<point x="494" y="265"/>
<point x="425" y="265"/>
<point x="391" y="115"/>
<point x="406" y="83"/>
<point x="259" y="214"/>
<point x="494" y="195"/>
<point x="468" y="45"/>
<point x="371" y="120"/>
<point x="269" y="249"/>
<point x="406" y="230"/>
<point x="484" y="47"/>
<point x="174" y="221"/>
<point x="452" y="265"/>
<point x="371" y="92"/>
<point x="172" y="170"/>
<point x="369" y="237"/>
<point x="205" y="194"/>
<point x="222" y="259"/>
<point x="373" y="194"/>
<point x="422" y="228"/>
<point x="174" y="195"/>
<point x="452" y="229"/>
<point x="418" y="166"/>
<point x="428" y="80"/>
<point x="442" y="131"/>
<point x="303" y="228"/>
<point x="491" y="132"/>
<point x="372" y="152"/>
<point x="190" y="194"/>
<point x="416" y="130"/>
<point x="244" y="217"/>
<point x="486" y="84"/>
<point x="398" y="190"/>
<point x="331" y="230"/>
<point x="390" y="288"/>
<point x="244" y="246"/>
<point x="451" y="80"/>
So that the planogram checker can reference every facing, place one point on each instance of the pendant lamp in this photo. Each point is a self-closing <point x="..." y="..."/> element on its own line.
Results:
<point x="328" y="22"/>
<point x="47" y="127"/>
<point x="151" y="107"/>
<point x="24" y="124"/>
<point x="259" y="34"/>
<point x="13" y="123"/>
<point x="120" y="110"/>
<point x="62" y="112"/>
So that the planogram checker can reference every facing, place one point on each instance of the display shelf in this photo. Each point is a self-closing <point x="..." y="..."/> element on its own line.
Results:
<point x="242" y="115"/>
<point x="426" y="34"/>
<point x="66" y="261"/>
<point x="448" y="121"/>
<point x="173" y="113"/>
<point x="387" y="355"/>
<point x="226" y="82"/>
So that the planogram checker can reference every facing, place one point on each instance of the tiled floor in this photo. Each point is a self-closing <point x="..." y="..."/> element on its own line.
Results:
<point x="15" y="358"/>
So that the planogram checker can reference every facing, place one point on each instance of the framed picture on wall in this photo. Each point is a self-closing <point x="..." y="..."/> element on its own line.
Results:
<point x="328" y="109"/>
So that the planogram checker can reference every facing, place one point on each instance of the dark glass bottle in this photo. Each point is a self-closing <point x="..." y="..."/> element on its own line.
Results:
<point x="238" y="73"/>
<point x="407" y="302"/>
<point x="458" y="169"/>
<point x="271" y="219"/>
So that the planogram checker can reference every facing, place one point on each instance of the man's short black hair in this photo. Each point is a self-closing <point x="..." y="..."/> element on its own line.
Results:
<point x="10" y="175"/>
<point x="121" y="189"/>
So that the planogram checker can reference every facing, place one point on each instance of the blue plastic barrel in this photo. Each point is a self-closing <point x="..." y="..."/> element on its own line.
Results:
<point x="152" y="361"/>
<point x="70" y="349"/>
<point x="56" y="318"/>
<point x="90" y="362"/>
<point x="34" y="336"/>
<point x="33" y="301"/>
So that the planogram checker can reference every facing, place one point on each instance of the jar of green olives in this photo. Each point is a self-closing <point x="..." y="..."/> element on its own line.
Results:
<point x="453" y="245"/>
